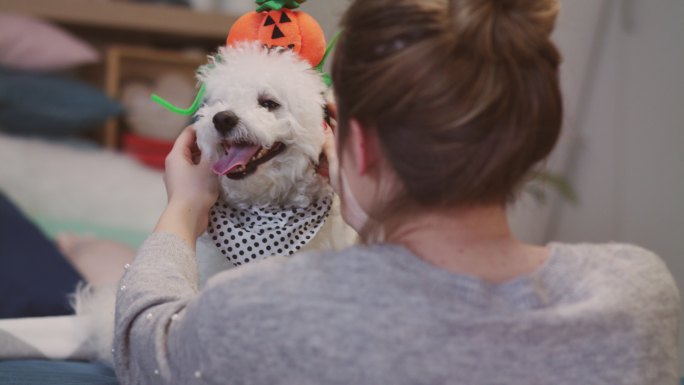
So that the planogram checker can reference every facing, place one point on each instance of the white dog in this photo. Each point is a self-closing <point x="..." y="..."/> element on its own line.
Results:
<point x="262" y="127"/>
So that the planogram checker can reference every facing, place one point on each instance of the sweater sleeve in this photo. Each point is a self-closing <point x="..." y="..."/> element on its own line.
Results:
<point x="155" y="339"/>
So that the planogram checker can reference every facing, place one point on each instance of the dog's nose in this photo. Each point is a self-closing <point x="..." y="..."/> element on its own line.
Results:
<point x="224" y="121"/>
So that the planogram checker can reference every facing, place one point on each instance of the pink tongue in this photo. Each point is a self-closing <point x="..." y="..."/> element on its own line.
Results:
<point x="236" y="156"/>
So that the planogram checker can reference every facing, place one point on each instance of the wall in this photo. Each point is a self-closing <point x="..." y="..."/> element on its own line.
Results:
<point x="628" y="165"/>
<point x="327" y="12"/>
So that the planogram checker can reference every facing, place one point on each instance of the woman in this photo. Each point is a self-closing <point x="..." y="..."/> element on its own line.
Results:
<point x="443" y="108"/>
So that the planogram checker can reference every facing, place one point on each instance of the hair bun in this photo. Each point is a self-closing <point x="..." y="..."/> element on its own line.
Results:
<point x="504" y="29"/>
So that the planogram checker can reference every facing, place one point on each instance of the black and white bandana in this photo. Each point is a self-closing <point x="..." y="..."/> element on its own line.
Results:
<point x="244" y="235"/>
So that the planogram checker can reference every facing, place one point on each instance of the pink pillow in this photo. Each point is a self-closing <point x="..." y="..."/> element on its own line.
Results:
<point x="27" y="43"/>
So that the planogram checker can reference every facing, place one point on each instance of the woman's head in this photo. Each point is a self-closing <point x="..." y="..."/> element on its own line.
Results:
<point x="462" y="95"/>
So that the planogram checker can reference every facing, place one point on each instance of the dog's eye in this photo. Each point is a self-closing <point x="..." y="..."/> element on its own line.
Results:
<point x="268" y="104"/>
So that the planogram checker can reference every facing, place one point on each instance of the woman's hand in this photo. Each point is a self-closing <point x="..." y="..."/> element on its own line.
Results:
<point x="191" y="187"/>
<point x="328" y="164"/>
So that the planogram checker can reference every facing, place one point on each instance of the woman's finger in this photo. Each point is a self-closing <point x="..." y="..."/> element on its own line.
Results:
<point x="323" y="169"/>
<point x="332" y="109"/>
<point x="330" y="155"/>
<point x="185" y="140"/>
<point x="329" y="143"/>
<point x="185" y="145"/>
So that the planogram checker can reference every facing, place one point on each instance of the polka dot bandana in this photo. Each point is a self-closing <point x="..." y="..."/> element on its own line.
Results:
<point x="245" y="235"/>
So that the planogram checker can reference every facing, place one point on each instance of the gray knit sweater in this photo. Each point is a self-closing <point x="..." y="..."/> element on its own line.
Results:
<point x="592" y="314"/>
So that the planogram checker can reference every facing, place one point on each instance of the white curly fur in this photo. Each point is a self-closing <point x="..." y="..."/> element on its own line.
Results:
<point x="235" y="79"/>
<point x="97" y="306"/>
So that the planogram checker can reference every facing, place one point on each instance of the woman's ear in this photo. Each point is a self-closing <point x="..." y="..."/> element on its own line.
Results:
<point x="364" y="146"/>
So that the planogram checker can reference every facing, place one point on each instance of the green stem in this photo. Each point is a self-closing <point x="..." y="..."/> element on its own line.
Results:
<point x="182" y="111"/>
<point x="277" y="5"/>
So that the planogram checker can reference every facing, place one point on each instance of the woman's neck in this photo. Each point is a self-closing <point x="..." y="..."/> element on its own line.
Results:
<point x="472" y="241"/>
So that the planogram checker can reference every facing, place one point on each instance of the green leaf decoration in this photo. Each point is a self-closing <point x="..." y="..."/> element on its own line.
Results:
<point x="277" y="5"/>
<point x="327" y="79"/>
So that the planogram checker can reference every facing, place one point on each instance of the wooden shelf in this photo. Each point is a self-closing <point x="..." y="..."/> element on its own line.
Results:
<point x="123" y="63"/>
<point x="156" y="19"/>
<point x="137" y="41"/>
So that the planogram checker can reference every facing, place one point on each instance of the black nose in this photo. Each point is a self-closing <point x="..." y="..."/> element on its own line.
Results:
<point x="224" y="121"/>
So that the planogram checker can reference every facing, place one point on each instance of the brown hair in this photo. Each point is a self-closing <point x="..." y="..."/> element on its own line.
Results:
<point x="463" y="94"/>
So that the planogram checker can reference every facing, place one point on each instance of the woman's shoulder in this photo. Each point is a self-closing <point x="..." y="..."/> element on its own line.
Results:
<point x="624" y="256"/>
<point x="301" y="271"/>
<point x="622" y="267"/>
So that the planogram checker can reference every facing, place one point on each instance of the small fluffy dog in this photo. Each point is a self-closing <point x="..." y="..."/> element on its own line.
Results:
<point x="262" y="126"/>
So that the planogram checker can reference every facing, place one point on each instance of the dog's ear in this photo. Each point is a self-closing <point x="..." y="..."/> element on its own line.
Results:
<point x="203" y="71"/>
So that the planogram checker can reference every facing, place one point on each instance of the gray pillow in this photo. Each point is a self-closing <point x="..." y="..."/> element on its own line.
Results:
<point x="33" y="103"/>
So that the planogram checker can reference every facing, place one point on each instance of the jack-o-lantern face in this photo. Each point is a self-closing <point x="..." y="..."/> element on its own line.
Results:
<point x="280" y="29"/>
<point x="293" y="30"/>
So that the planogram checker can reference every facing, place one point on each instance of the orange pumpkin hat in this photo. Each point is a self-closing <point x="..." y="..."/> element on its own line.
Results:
<point x="275" y="24"/>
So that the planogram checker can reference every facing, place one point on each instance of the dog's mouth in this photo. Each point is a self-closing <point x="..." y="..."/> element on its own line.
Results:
<point x="242" y="159"/>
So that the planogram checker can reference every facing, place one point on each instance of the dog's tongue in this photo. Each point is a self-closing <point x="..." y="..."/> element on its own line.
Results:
<point x="236" y="156"/>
